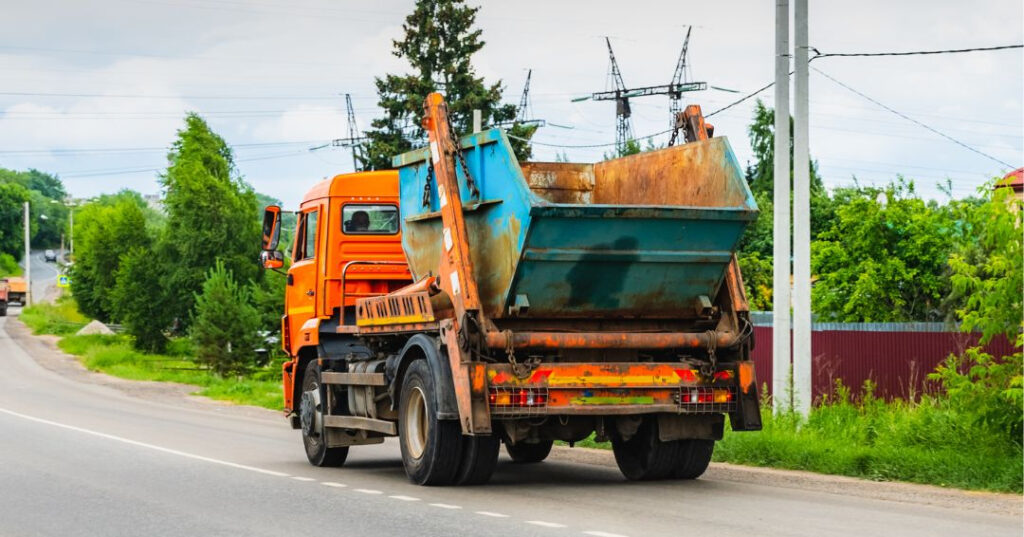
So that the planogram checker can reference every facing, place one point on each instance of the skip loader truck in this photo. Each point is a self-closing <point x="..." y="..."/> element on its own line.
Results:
<point x="466" y="300"/>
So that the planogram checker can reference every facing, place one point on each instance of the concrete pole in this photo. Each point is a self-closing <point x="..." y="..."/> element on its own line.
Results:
<point x="801" y="221"/>
<point x="780" y="253"/>
<point x="28" y="260"/>
<point x="72" y="231"/>
<point x="478" y="120"/>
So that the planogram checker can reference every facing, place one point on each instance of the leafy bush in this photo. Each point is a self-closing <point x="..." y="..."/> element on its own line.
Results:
<point x="9" y="266"/>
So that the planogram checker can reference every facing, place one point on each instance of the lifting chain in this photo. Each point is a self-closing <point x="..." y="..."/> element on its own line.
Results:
<point x="708" y="368"/>
<point x="426" y="185"/>
<point x="520" y="370"/>
<point x="457" y="150"/>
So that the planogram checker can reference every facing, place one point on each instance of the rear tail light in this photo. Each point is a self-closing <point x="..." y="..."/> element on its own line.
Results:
<point x="518" y="397"/>
<point x="705" y="395"/>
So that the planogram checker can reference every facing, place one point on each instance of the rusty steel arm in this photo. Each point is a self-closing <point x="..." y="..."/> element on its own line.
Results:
<point x="610" y="340"/>
<point x="456" y="270"/>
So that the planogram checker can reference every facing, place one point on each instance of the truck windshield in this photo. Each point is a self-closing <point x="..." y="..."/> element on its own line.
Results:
<point x="370" y="219"/>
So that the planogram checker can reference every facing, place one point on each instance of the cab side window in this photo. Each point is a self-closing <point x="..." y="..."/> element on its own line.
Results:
<point x="305" y="237"/>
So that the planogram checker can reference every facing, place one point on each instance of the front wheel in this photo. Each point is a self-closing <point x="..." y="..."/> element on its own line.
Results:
<point x="524" y="453"/>
<point x="431" y="448"/>
<point x="311" y="415"/>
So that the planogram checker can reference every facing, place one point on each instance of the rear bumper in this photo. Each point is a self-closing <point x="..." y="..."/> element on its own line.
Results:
<point x="596" y="389"/>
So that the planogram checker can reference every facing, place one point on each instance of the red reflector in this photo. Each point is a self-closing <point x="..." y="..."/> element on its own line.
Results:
<point x="687" y="375"/>
<point x="520" y="397"/>
<point x="723" y="375"/>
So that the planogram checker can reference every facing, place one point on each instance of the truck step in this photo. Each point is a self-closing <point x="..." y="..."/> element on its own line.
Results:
<point x="356" y="422"/>
<point x="357" y="379"/>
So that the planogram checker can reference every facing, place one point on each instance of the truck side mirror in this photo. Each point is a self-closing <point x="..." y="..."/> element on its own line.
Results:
<point x="271" y="259"/>
<point x="271" y="227"/>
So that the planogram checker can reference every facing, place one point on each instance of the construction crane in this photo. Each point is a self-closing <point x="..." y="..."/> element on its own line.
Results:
<point x="621" y="95"/>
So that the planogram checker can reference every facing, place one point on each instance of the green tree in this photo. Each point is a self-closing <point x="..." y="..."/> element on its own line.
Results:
<point x="224" y="323"/>
<point x="211" y="216"/>
<point x="106" y="230"/>
<point x="12" y="199"/>
<point x="139" y="299"/>
<point x="885" y="257"/>
<point x="988" y="270"/>
<point x="439" y="43"/>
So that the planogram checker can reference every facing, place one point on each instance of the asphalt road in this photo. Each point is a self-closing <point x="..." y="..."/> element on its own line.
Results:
<point x="88" y="458"/>
<point x="44" y="275"/>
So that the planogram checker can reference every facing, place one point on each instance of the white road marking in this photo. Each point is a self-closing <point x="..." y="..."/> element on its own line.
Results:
<point x="404" y="498"/>
<point x="145" y="445"/>
<point x="492" y="514"/>
<point x="333" y="484"/>
<point x="368" y="491"/>
<point x="603" y="534"/>
<point x="301" y="478"/>
<point x="446" y="506"/>
<point x="545" y="524"/>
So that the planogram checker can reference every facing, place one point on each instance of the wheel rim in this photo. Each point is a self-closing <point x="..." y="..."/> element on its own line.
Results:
<point x="416" y="423"/>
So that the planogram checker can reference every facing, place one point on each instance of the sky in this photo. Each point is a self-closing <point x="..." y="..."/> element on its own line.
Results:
<point x="95" y="91"/>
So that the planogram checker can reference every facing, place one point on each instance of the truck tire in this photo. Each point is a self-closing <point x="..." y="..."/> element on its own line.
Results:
<point x="644" y="457"/>
<point x="524" y="453"/>
<point x="694" y="457"/>
<point x="479" y="457"/>
<point x="3" y="309"/>
<point x="431" y="448"/>
<point x="311" y="412"/>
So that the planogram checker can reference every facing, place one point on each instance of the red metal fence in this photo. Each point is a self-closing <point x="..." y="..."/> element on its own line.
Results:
<point x="895" y="356"/>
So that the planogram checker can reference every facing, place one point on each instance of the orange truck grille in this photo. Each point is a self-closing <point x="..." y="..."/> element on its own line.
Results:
<point x="613" y="388"/>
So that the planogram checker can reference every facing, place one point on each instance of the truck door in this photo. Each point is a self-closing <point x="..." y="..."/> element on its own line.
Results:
<point x="301" y="290"/>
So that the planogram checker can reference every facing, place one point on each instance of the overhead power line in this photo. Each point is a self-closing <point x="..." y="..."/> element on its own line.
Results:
<point x="143" y="96"/>
<point x="818" y="54"/>
<point x="912" y="120"/>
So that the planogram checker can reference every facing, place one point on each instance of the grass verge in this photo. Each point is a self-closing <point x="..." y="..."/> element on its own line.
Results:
<point x="114" y="355"/>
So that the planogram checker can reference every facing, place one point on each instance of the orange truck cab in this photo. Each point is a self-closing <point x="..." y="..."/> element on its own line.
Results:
<point x="4" y="289"/>
<point x="348" y="245"/>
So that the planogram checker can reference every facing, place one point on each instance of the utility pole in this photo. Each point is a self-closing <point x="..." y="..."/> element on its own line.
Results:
<point x="71" y="217"/>
<point x="780" y="252"/>
<point x="524" y="102"/>
<point x="28" y="260"/>
<point x="801" y="221"/>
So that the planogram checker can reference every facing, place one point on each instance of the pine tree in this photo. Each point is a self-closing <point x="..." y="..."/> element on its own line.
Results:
<point x="138" y="299"/>
<point x="210" y="216"/>
<point x="224" y="323"/>
<point x="439" y="43"/>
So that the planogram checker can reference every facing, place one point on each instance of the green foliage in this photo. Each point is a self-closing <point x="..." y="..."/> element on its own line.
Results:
<point x="139" y="299"/>
<point x="60" y="318"/>
<point x="49" y="215"/>
<point x="225" y="323"/>
<point x="885" y="257"/>
<point x="114" y="355"/>
<point x="988" y="271"/>
<point x="925" y="442"/>
<point x="439" y="43"/>
<point x="12" y="198"/>
<point x="9" y="266"/>
<point x="212" y="216"/>
<point x="757" y="279"/>
<point x="105" y="231"/>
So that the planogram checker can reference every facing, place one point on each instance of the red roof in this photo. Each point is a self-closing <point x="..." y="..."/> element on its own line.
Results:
<point x="1014" y="180"/>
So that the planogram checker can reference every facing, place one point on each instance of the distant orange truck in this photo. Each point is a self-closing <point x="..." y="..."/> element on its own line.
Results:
<point x="17" y="289"/>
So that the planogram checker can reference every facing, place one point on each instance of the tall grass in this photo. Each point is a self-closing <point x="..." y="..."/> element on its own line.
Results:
<point x="930" y="441"/>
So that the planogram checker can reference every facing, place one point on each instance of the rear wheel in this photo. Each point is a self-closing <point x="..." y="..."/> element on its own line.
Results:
<point x="694" y="457"/>
<point x="3" y="309"/>
<point x="479" y="457"/>
<point x="311" y="413"/>
<point x="529" y="453"/>
<point x="431" y="448"/>
<point x="644" y="456"/>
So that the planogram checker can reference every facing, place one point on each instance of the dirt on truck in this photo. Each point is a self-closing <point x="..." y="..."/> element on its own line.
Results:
<point x="466" y="300"/>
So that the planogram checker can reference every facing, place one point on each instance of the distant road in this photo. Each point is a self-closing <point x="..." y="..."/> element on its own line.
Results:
<point x="82" y="454"/>
<point x="44" y="275"/>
